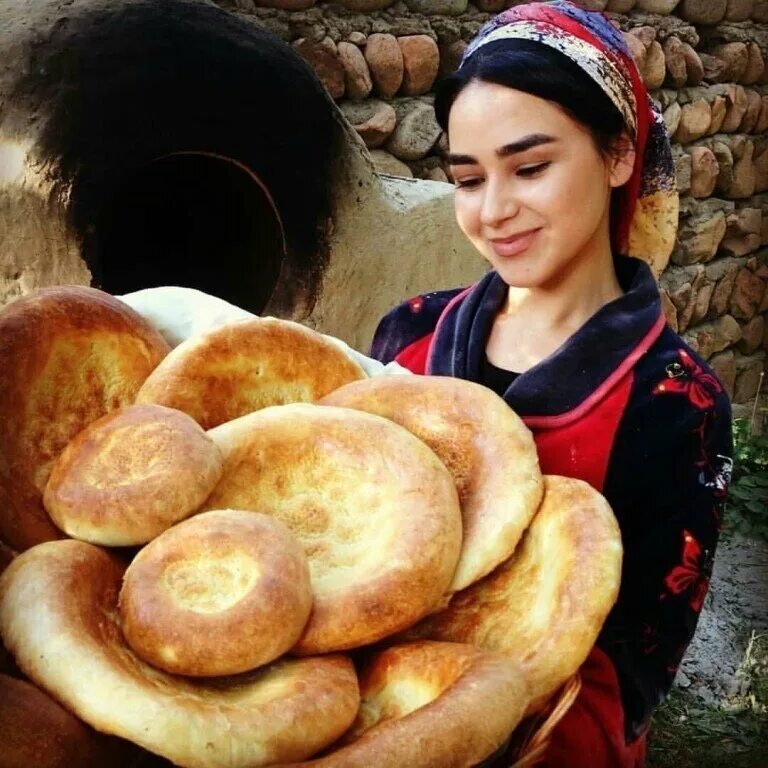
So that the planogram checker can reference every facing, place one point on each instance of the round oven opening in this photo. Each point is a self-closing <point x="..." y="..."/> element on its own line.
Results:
<point x="194" y="219"/>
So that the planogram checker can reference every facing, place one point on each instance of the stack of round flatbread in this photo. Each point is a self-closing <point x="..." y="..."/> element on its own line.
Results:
<point x="245" y="552"/>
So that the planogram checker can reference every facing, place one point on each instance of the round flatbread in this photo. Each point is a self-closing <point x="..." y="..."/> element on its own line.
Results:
<point x="483" y="442"/>
<point x="130" y="475"/>
<point x="375" y="509"/>
<point x="544" y="606"/>
<point x="68" y="356"/>
<point x="431" y="705"/>
<point x="224" y="592"/>
<point x="247" y="365"/>
<point x="58" y="606"/>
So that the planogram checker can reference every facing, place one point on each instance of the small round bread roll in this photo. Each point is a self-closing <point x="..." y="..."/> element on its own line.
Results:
<point x="544" y="606"/>
<point x="221" y="593"/>
<point x="37" y="732"/>
<point x="247" y="365"/>
<point x="483" y="442"/>
<point x="375" y="509"/>
<point x="68" y="355"/>
<point x="431" y="705"/>
<point x="58" y="617"/>
<point x="130" y="475"/>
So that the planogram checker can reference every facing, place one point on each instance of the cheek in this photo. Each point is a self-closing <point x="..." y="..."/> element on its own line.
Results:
<point x="466" y="208"/>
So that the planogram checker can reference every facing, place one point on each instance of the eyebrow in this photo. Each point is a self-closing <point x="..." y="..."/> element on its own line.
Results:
<point x="516" y="147"/>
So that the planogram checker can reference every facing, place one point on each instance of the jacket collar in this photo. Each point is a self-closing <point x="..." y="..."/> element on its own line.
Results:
<point x="575" y="376"/>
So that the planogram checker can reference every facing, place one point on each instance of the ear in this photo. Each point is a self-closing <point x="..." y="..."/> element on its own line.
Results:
<point x="622" y="161"/>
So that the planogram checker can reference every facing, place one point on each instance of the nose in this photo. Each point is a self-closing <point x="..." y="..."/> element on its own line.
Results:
<point x="499" y="202"/>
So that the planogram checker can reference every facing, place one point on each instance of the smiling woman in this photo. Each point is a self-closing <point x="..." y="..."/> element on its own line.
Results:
<point x="565" y="184"/>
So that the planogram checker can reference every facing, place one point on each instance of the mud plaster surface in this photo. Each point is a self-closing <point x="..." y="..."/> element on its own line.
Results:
<point x="736" y="605"/>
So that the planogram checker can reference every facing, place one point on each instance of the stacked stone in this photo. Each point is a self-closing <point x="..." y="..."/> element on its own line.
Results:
<point x="704" y="62"/>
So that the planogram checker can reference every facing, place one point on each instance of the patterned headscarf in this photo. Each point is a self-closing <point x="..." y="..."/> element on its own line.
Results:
<point x="645" y="223"/>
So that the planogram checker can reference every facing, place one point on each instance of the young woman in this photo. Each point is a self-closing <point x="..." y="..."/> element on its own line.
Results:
<point x="563" y="174"/>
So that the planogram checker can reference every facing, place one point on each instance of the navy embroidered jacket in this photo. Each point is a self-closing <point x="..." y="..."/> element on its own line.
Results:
<point x="625" y="405"/>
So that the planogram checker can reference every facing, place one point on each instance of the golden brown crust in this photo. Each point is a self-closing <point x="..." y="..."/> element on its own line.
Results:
<point x="544" y="606"/>
<point x="222" y="593"/>
<point x="485" y="445"/>
<point x="58" y="606"/>
<point x="247" y="365"/>
<point x="130" y="475"/>
<point x="431" y="705"/>
<point x="68" y="355"/>
<point x="375" y="509"/>
<point x="37" y="732"/>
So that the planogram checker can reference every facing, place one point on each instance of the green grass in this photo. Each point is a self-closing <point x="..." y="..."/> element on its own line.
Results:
<point x="688" y="734"/>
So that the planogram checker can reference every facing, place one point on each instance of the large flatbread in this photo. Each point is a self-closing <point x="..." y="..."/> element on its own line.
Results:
<point x="485" y="445"/>
<point x="243" y="366"/>
<point x="375" y="509"/>
<point x="544" y="606"/>
<point x="68" y="356"/>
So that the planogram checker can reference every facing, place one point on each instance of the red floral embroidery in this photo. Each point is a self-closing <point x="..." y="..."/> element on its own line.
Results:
<point x="688" y="577"/>
<point x="416" y="304"/>
<point x="690" y="379"/>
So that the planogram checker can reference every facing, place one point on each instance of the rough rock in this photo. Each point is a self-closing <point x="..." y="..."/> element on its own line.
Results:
<point x="704" y="172"/>
<point x="719" y="109"/>
<point x="703" y="11"/>
<point x="760" y="168"/>
<point x="357" y="76"/>
<point x="744" y="178"/>
<point x="748" y="370"/>
<point x="752" y="113"/>
<point x="752" y="335"/>
<point x="762" y="120"/>
<point x="654" y="71"/>
<point x="489" y="6"/>
<point x="724" y="158"/>
<point x="735" y="56"/>
<point x="701" y="303"/>
<point x="366" y="6"/>
<point x="755" y="65"/>
<point x="660" y="7"/>
<point x="683" y="173"/>
<point x="709" y="338"/>
<point x="694" y="122"/>
<point x="760" y="12"/>
<point x="721" y="296"/>
<point x="389" y="164"/>
<point x="620" y="6"/>
<point x="674" y="58"/>
<point x="714" y="68"/>
<point x="737" y="103"/>
<point x="373" y="120"/>
<point x="694" y="67"/>
<point x="744" y="221"/>
<point x="646" y="34"/>
<point x="325" y="60"/>
<point x="385" y="61"/>
<point x="669" y="309"/>
<point x="421" y="61"/>
<point x="286" y="5"/>
<point x="698" y="238"/>
<point x="636" y="47"/>
<point x="739" y="10"/>
<point x="450" y="56"/>
<point x="748" y="292"/>
<point x="672" y="116"/>
<point x="437" y="7"/>
<point x="724" y="368"/>
<point x="416" y="132"/>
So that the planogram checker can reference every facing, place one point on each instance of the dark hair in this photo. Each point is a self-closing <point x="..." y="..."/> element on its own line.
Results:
<point x="542" y="71"/>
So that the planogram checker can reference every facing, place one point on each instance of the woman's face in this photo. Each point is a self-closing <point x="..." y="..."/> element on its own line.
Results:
<point x="532" y="189"/>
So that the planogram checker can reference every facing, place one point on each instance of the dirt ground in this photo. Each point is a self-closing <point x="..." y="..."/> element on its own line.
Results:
<point x="717" y="714"/>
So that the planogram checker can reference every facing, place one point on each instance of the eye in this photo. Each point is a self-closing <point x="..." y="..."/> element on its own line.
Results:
<point x="470" y="183"/>
<point x="527" y="171"/>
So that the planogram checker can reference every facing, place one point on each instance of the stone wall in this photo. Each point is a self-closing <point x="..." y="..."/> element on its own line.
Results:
<point x="704" y="61"/>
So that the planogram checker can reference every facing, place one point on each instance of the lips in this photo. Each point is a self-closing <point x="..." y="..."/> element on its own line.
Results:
<point x="515" y="244"/>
